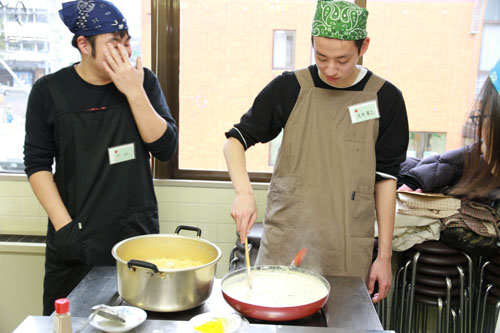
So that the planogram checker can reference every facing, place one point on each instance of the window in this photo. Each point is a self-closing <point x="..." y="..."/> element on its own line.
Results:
<point x="14" y="45"/>
<point x="216" y="86"/>
<point x="33" y="47"/>
<point x="30" y="18"/>
<point x="11" y="17"/>
<point x="283" y="49"/>
<point x="29" y="46"/>
<point x="237" y="61"/>
<point x="42" y="18"/>
<point x="213" y="58"/>
<point x="274" y="147"/>
<point x="490" y="42"/>
<point x="423" y="144"/>
<point x="41" y="46"/>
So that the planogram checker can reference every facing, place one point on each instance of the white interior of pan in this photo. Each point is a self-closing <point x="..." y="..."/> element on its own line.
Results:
<point x="276" y="287"/>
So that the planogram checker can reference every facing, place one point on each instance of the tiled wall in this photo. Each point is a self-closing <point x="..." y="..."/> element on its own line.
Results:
<point x="202" y="204"/>
<point x="20" y="212"/>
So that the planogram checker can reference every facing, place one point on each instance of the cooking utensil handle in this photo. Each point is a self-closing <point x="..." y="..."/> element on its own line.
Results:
<point x="188" y="227"/>
<point x="143" y="264"/>
<point x="247" y="257"/>
<point x="299" y="257"/>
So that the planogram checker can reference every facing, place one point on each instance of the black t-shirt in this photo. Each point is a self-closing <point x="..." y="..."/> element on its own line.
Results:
<point x="272" y="107"/>
<point x="40" y="145"/>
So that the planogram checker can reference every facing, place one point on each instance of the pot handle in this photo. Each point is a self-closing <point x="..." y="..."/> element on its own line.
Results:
<point x="187" y="227"/>
<point x="142" y="263"/>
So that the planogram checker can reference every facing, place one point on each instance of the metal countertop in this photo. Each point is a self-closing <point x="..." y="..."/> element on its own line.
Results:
<point x="349" y="307"/>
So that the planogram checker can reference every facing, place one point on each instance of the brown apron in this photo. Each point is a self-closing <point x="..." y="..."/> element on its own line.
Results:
<point x="321" y="194"/>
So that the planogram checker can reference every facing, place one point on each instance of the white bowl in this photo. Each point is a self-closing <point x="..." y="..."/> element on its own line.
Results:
<point x="133" y="318"/>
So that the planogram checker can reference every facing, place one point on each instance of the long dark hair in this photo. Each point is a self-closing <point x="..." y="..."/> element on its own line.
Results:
<point x="481" y="175"/>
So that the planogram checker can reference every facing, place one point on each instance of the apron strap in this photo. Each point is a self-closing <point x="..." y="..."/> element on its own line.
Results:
<point x="304" y="77"/>
<point x="57" y="95"/>
<point x="374" y="83"/>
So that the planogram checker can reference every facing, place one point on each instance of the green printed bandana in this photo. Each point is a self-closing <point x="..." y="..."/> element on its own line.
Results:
<point x="340" y="20"/>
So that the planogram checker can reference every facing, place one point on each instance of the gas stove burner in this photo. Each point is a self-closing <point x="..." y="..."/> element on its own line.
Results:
<point x="318" y="319"/>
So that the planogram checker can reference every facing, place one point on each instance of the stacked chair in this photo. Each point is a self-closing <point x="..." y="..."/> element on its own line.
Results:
<point x="432" y="274"/>
<point x="488" y="294"/>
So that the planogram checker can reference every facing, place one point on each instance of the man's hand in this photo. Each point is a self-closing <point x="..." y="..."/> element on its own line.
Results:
<point x="127" y="79"/>
<point x="381" y="273"/>
<point x="244" y="213"/>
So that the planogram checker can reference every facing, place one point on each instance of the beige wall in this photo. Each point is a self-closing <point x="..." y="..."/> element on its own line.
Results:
<point x="21" y="282"/>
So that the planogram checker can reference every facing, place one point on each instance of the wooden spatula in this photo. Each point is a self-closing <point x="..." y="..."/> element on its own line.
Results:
<point x="247" y="257"/>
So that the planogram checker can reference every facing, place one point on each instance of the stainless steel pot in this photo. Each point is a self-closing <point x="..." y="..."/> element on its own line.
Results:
<point x="142" y="284"/>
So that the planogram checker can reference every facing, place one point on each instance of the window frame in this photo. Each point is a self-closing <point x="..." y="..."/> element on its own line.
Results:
<point x="423" y="143"/>
<point x="292" y="33"/>
<point x="165" y="58"/>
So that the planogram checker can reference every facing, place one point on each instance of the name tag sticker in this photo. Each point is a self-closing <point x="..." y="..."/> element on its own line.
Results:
<point x="121" y="153"/>
<point x="364" y="111"/>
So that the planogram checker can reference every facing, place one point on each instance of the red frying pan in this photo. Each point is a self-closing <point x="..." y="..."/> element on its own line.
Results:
<point x="278" y="293"/>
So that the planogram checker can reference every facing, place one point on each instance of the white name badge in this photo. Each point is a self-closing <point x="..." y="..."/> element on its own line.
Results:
<point x="121" y="153"/>
<point x="364" y="111"/>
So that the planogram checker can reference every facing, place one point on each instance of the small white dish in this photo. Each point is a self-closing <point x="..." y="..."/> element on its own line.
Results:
<point x="133" y="318"/>
<point x="232" y="321"/>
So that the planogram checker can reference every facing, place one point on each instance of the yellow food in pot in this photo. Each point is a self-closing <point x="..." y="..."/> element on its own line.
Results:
<point x="212" y="326"/>
<point x="170" y="263"/>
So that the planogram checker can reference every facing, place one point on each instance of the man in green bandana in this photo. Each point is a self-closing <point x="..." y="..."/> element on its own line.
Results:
<point x="345" y="133"/>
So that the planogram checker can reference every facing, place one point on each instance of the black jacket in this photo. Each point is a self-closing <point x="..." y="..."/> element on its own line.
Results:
<point x="436" y="173"/>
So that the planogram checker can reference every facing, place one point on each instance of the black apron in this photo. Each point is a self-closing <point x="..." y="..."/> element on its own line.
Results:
<point x="108" y="203"/>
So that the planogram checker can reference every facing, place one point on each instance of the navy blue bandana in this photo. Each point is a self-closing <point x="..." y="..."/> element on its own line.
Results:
<point x="92" y="17"/>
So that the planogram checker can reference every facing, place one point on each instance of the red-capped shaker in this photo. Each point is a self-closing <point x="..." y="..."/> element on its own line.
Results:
<point x="62" y="318"/>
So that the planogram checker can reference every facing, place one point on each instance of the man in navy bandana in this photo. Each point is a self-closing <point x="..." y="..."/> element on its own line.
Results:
<point x="100" y="119"/>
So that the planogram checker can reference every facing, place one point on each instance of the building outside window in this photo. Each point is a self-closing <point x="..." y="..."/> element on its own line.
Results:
<point x="274" y="147"/>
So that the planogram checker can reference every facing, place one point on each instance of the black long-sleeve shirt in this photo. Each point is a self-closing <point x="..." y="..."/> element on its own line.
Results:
<point x="40" y="145"/>
<point x="273" y="105"/>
